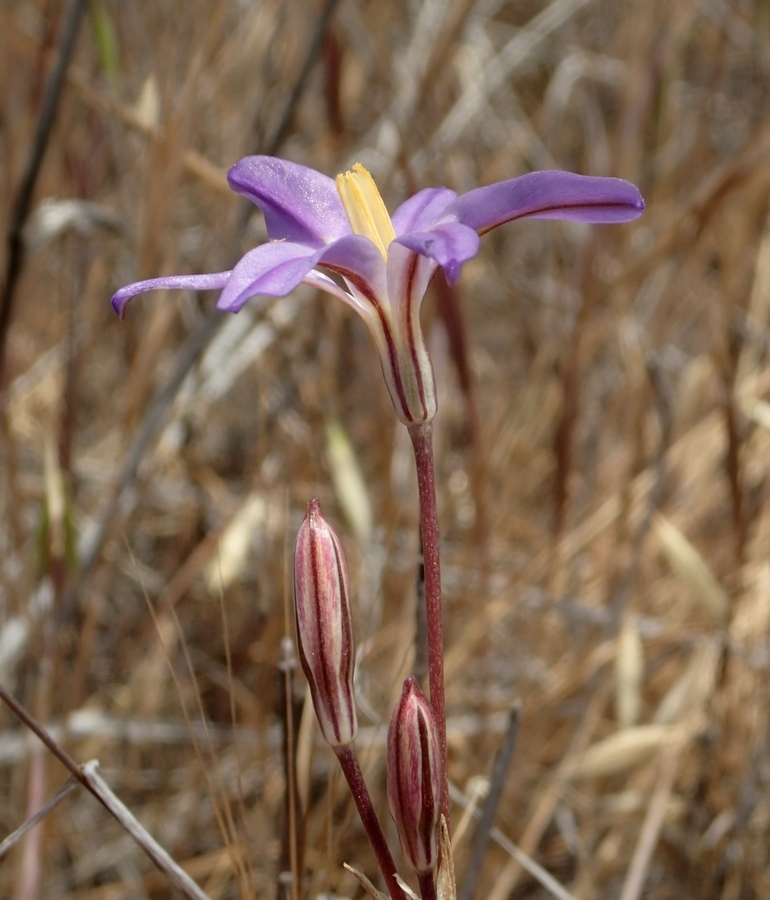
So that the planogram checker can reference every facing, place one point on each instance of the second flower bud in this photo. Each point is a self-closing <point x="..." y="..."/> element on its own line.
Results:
<point x="414" y="776"/>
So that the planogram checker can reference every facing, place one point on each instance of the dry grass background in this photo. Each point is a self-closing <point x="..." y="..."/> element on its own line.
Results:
<point x="603" y="486"/>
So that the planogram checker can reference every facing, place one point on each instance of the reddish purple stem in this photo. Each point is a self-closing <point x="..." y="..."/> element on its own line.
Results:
<point x="422" y="441"/>
<point x="427" y="885"/>
<point x="355" y="779"/>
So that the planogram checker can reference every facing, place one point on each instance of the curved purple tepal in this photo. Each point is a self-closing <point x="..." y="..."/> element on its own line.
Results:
<point x="273" y="269"/>
<point x="450" y="244"/>
<point x="214" y="281"/>
<point x="276" y="268"/>
<point x="299" y="204"/>
<point x="422" y="209"/>
<point x="547" y="195"/>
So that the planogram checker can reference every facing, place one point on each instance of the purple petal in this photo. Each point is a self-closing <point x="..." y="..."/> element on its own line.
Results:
<point x="272" y="270"/>
<point x="211" y="282"/>
<point x="276" y="268"/>
<point x="419" y="211"/>
<point x="547" y="195"/>
<point x="450" y="245"/>
<point x="359" y="262"/>
<point x="299" y="204"/>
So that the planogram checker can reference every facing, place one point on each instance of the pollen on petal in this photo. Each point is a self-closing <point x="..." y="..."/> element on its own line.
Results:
<point x="365" y="208"/>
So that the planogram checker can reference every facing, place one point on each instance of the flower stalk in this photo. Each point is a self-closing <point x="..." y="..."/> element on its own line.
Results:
<point x="427" y="885"/>
<point x="422" y="443"/>
<point x="360" y="793"/>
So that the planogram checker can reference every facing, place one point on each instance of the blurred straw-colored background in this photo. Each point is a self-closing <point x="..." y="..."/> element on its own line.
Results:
<point x="602" y="440"/>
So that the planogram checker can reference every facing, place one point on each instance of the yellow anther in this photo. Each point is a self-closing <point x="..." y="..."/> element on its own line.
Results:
<point x="365" y="208"/>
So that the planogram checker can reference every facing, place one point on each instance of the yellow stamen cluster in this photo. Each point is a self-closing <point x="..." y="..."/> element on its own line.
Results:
<point x="365" y="208"/>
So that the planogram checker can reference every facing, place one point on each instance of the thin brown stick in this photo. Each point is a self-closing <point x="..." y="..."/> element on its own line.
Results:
<point x="500" y="768"/>
<point x="64" y="791"/>
<point x="71" y="20"/>
<point x="288" y="666"/>
<point x="234" y="725"/>
<point x="173" y="871"/>
<point x="86" y="775"/>
<point x="545" y="804"/>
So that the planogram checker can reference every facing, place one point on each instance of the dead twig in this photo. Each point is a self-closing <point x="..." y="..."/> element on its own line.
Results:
<point x="64" y="791"/>
<point x="481" y="836"/>
<point x="92" y="782"/>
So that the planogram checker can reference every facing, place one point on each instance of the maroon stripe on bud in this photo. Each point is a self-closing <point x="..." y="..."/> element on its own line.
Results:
<point x="429" y="811"/>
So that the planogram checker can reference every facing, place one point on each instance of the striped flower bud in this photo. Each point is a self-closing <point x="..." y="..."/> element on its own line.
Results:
<point x="324" y="626"/>
<point x="414" y="776"/>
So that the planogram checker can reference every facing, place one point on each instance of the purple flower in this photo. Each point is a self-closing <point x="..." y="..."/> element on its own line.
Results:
<point x="385" y="262"/>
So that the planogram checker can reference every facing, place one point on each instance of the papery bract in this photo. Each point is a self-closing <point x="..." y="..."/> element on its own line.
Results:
<point x="386" y="263"/>
<point x="324" y="626"/>
<point x="414" y="776"/>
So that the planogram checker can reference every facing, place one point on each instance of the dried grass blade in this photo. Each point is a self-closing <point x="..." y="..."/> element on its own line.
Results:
<point x="235" y="543"/>
<point x="692" y="569"/>
<point x="693" y="687"/>
<point x="348" y="480"/>
<point x="629" y="675"/>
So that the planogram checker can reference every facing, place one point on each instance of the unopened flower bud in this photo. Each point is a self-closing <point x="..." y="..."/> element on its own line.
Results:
<point x="324" y="626"/>
<point x="414" y="776"/>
